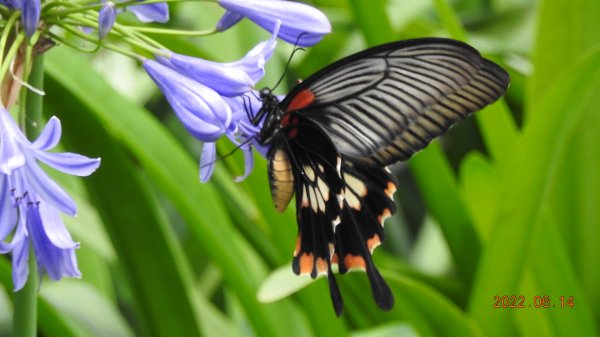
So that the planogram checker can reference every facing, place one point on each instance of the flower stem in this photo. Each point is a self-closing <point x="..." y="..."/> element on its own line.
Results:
<point x="25" y="314"/>
<point x="34" y="100"/>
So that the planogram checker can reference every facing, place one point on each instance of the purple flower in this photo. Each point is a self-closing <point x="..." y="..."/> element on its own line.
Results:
<point x="158" y="12"/>
<point x="106" y="19"/>
<point x="31" y="202"/>
<point x="201" y="110"/>
<point x="228" y="79"/>
<point x="243" y="134"/>
<point x="300" y="23"/>
<point x="11" y="3"/>
<point x="30" y="13"/>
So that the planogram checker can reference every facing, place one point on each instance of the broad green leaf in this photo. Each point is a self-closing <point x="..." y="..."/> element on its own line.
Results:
<point x="442" y="317"/>
<point x="371" y="16"/>
<point x="282" y="283"/>
<point x="566" y="31"/>
<point x="389" y="330"/>
<point x="439" y="189"/>
<point x="481" y="187"/>
<point x="529" y="180"/>
<point x="138" y="232"/>
<point x="84" y="307"/>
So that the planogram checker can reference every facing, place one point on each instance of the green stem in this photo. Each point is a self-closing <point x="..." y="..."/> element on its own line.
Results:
<point x="25" y="314"/>
<point x="34" y="101"/>
<point x="177" y="32"/>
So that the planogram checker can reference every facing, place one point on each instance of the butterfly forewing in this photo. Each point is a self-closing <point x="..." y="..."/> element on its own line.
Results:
<point x="386" y="103"/>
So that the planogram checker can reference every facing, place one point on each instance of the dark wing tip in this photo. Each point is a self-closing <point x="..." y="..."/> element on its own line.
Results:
<point x="382" y="294"/>
<point x="336" y="296"/>
<point x="497" y="72"/>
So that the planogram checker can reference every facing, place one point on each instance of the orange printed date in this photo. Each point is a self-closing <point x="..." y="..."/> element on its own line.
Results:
<point x="539" y="301"/>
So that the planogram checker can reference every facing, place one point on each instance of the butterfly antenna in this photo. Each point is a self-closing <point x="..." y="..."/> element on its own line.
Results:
<point x="287" y="65"/>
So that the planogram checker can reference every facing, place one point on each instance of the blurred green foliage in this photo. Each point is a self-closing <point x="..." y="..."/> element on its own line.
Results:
<point x="506" y="204"/>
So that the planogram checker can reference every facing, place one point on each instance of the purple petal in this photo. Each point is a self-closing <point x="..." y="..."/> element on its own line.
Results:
<point x="227" y="20"/>
<point x="50" y="136"/>
<point x="106" y="19"/>
<point x="248" y="163"/>
<point x="221" y="77"/>
<point x="11" y="155"/>
<point x="201" y="110"/>
<point x="253" y="63"/>
<point x="54" y="261"/>
<point x="47" y="189"/>
<point x="20" y="257"/>
<point x="70" y="163"/>
<point x="301" y="24"/>
<point x="207" y="161"/>
<point x="30" y="16"/>
<point x="8" y="212"/>
<point x="151" y="13"/>
<point x="55" y="228"/>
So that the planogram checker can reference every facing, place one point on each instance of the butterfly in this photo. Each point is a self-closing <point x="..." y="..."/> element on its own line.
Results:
<point x="332" y="137"/>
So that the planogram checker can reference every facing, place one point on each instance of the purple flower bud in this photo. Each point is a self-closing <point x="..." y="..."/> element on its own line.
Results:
<point x="11" y="3"/>
<point x="228" y="79"/>
<point x="300" y="23"/>
<point x="30" y="16"/>
<point x="106" y="19"/>
<point x="158" y="12"/>
<point x="201" y="110"/>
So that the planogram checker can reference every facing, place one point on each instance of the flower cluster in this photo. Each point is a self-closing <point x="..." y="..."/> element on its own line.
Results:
<point x="211" y="99"/>
<point x="31" y="202"/>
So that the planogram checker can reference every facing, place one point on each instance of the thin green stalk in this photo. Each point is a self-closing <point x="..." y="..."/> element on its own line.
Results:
<point x="6" y="33"/>
<point x="10" y="55"/>
<point x="177" y="32"/>
<point x="25" y="314"/>
<point x="33" y="101"/>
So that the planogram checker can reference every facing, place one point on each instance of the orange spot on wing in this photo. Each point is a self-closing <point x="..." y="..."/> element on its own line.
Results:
<point x="373" y="242"/>
<point x="354" y="261"/>
<point x="334" y="258"/>
<point x="390" y="190"/>
<point x="297" y="249"/>
<point x="306" y="263"/>
<point x="302" y="100"/>
<point x="321" y="266"/>
<point x="384" y="215"/>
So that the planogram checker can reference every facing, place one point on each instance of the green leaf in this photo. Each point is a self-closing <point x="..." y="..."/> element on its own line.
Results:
<point x="566" y="31"/>
<point x="85" y="308"/>
<point x="529" y="180"/>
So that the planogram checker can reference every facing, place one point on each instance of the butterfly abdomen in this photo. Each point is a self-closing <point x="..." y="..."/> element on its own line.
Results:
<point x="281" y="179"/>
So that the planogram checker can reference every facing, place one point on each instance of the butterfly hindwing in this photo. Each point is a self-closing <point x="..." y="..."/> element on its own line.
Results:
<point x="384" y="104"/>
<point x="313" y="162"/>
<point x="368" y="201"/>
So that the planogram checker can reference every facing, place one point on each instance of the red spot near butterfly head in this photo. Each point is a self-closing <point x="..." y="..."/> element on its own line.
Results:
<point x="293" y="133"/>
<point x="303" y="99"/>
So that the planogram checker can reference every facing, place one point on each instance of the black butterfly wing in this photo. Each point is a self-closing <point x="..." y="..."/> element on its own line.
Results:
<point x="384" y="104"/>
<point x="303" y="161"/>
<point x="340" y="206"/>
<point x="344" y="124"/>
<point x="367" y="202"/>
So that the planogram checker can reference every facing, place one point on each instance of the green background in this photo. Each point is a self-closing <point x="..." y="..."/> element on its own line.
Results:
<point x="506" y="204"/>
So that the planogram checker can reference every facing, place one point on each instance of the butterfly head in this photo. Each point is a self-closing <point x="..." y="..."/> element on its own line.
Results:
<point x="270" y="113"/>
